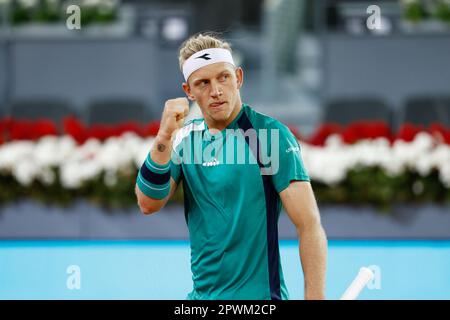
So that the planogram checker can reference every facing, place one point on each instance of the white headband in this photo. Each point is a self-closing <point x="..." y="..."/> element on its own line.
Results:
<point x="205" y="57"/>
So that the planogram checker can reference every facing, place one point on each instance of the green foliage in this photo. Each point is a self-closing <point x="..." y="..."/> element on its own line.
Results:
<point x="20" y="15"/>
<point x="48" y="13"/>
<point x="373" y="186"/>
<point x="414" y="12"/>
<point x="442" y="11"/>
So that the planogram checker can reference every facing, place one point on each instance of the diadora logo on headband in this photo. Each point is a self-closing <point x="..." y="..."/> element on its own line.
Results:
<point x="205" y="56"/>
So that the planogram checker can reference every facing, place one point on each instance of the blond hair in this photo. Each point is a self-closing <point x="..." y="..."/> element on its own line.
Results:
<point x="198" y="42"/>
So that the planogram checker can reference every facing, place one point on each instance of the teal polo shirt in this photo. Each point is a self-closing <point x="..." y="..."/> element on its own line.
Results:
<point x="231" y="182"/>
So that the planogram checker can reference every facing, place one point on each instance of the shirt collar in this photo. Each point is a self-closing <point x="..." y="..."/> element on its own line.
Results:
<point x="207" y="136"/>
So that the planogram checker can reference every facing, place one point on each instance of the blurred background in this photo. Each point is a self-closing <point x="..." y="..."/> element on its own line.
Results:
<point x="364" y="85"/>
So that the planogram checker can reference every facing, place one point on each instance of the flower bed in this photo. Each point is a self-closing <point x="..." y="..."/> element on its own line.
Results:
<point x="363" y="163"/>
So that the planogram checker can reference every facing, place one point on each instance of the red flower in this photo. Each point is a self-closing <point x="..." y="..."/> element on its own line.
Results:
<point x="20" y="130"/>
<point x="75" y="128"/>
<point x="151" y="129"/>
<point x="130" y="126"/>
<point x="379" y="129"/>
<point x="440" y="132"/>
<point x="366" y="130"/>
<point x="100" y="132"/>
<point x="350" y="134"/>
<point x="43" y="128"/>
<point x="447" y="137"/>
<point x="81" y="133"/>
<point x="6" y="123"/>
<point x="31" y="130"/>
<point x="323" y="132"/>
<point x="408" y="131"/>
<point x="3" y="130"/>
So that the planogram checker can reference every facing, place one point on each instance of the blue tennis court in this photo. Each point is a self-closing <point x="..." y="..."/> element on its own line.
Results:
<point x="161" y="269"/>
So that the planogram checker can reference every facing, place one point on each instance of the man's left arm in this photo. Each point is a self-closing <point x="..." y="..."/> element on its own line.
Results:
<point x="300" y="204"/>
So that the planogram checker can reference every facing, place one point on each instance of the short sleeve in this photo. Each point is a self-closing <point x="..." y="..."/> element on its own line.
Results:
<point x="291" y="165"/>
<point x="175" y="166"/>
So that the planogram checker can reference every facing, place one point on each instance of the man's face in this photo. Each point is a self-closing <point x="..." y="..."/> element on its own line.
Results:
<point x="215" y="88"/>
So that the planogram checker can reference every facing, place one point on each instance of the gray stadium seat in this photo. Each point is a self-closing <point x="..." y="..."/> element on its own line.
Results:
<point x="54" y="109"/>
<point x="117" y="110"/>
<point x="347" y="110"/>
<point x="423" y="110"/>
<point x="444" y="102"/>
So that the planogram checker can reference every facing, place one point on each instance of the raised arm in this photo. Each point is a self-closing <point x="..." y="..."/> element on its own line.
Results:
<point x="153" y="197"/>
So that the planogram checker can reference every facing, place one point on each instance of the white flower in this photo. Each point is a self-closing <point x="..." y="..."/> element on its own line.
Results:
<point x="108" y="5"/>
<point x="113" y="154"/>
<point x="88" y="170"/>
<point x="47" y="176"/>
<point x="88" y="150"/>
<point x="75" y="173"/>
<point x="142" y="153"/>
<point x="14" y="152"/>
<point x="25" y="171"/>
<point x="91" y="3"/>
<point x="409" y="2"/>
<point x="423" y="141"/>
<point x="325" y="165"/>
<point x="334" y="141"/>
<point x="440" y="159"/>
<point x="46" y="152"/>
<point x="393" y="166"/>
<point x="28" y="3"/>
<point x="110" y="178"/>
<point x="423" y="166"/>
<point x="66" y="147"/>
<point x="69" y="175"/>
<point x="135" y="145"/>
<point x="444" y="174"/>
<point x="405" y="153"/>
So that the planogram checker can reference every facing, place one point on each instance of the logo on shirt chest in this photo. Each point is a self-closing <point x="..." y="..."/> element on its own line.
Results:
<point x="212" y="163"/>
<point x="292" y="149"/>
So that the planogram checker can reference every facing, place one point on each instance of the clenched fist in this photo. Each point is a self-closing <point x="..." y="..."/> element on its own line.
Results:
<point x="175" y="110"/>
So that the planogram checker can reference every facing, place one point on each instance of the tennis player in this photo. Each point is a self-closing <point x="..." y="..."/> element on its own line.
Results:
<point x="233" y="190"/>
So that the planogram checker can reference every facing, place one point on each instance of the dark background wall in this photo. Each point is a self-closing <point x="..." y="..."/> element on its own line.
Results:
<point x="3" y="81"/>
<point x="392" y="67"/>
<point x="81" y="70"/>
